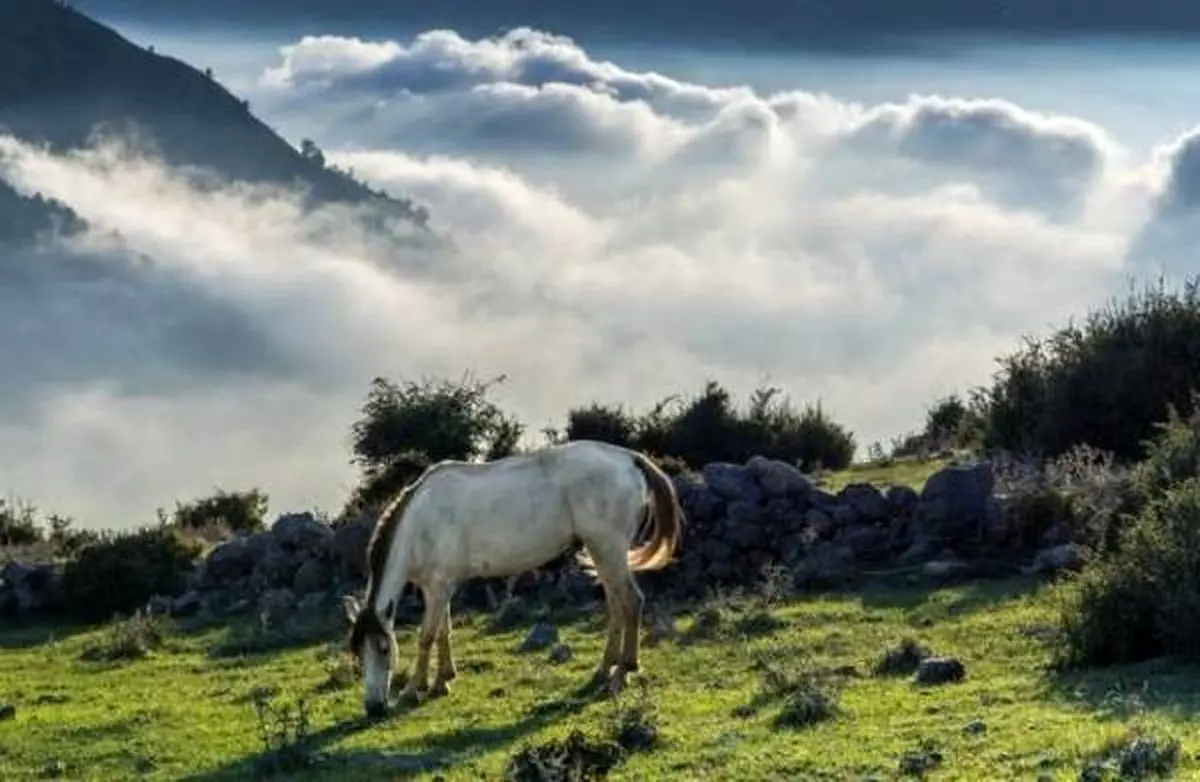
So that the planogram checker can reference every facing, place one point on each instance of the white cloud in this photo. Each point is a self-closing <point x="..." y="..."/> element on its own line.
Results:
<point x="618" y="236"/>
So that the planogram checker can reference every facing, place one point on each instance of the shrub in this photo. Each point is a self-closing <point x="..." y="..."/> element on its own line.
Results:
<point x="599" y="422"/>
<point x="128" y="639"/>
<point x="244" y="511"/>
<point x="18" y="524"/>
<point x="709" y="428"/>
<point x="1144" y="601"/>
<point x="122" y="571"/>
<point x="440" y="419"/>
<point x="385" y="481"/>
<point x="1104" y="383"/>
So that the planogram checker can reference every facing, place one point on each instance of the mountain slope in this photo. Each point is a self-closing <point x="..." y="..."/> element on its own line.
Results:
<point x="62" y="75"/>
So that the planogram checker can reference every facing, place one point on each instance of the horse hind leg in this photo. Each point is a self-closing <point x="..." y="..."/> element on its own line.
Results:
<point x="625" y="601"/>
<point x="612" y="646"/>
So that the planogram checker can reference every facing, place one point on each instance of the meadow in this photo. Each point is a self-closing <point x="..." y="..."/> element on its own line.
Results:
<point x="752" y="685"/>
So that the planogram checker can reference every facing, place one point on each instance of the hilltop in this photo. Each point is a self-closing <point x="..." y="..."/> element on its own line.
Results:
<point x="63" y="75"/>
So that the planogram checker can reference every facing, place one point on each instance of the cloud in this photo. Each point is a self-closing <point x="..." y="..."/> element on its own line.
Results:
<point x="617" y="236"/>
<point x="531" y="91"/>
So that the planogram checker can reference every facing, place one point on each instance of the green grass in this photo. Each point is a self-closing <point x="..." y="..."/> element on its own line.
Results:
<point x="905" y="471"/>
<point x="183" y="712"/>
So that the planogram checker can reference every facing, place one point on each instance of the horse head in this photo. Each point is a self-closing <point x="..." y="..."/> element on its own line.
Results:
<point x="372" y="642"/>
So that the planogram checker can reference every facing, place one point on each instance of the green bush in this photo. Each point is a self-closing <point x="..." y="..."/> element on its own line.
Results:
<point x="122" y="571"/>
<point x="244" y="511"/>
<point x="1144" y="601"/>
<point x="1104" y="383"/>
<point x="710" y="428"/>
<point x="604" y="423"/>
<point x="386" y="481"/>
<point x="441" y="419"/>
<point x="18" y="524"/>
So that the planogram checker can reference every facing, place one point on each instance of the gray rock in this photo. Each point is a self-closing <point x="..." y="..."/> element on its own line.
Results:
<point x="901" y="500"/>
<point x="866" y="501"/>
<point x="312" y="576"/>
<point x="302" y="532"/>
<point x="940" y="670"/>
<point x="745" y="513"/>
<point x="349" y="545"/>
<point x="541" y="636"/>
<point x="953" y="505"/>
<point x="187" y="604"/>
<point x="1067" y="557"/>
<point x="234" y="559"/>
<point x="731" y="482"/>
<point x="777" y="478"/>
<point x="559" y="653"/>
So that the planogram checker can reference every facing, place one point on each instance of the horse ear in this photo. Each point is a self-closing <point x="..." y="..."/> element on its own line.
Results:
<point x="351" y="606"/>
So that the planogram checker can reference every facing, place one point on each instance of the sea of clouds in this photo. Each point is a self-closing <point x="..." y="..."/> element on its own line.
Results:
<point x="617" y="236"/>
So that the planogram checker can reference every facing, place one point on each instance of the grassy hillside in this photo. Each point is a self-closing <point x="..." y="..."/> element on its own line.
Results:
<point x="714" y="692"/>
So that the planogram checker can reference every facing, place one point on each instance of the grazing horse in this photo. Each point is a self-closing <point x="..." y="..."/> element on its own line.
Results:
<point x="461" y="520"/>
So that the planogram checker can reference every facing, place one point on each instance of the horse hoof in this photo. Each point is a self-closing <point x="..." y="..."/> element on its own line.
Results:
<point x="409" y="697"/>
<point x="440" y="689"/>
<point x="616" y="682"/>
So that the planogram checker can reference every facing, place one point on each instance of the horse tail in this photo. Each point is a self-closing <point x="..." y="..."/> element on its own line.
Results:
<point x="665" y="512"/>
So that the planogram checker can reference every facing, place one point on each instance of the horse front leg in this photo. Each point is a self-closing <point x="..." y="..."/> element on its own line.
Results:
<point x="418" y="684"/>
<point x="446" y="672"/>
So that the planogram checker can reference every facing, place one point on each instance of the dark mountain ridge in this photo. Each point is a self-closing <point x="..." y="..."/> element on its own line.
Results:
<point x="64" y="76"/>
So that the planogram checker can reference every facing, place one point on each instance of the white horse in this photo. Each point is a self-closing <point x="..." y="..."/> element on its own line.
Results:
<point x="461" y="520"/>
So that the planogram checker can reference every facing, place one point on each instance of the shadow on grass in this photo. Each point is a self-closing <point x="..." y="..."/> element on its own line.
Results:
<point x="410" y="756"/>
<point x="18" y="636"/>
<point x="1119" y="693"/>
<point x="937" y="601"/>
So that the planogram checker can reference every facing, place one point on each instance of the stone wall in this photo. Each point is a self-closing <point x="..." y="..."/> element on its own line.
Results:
<point x="741" y="519"/>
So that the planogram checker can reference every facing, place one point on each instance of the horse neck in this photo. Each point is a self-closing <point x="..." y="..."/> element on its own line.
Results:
<point x="387" y="584"/>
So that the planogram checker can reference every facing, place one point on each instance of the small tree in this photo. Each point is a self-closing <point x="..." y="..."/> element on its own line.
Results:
<point x="240" y="511"/>
<point x="438" y="418"/>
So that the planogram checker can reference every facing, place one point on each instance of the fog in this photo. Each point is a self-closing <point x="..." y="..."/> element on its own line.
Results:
<point x="620" y="234"/>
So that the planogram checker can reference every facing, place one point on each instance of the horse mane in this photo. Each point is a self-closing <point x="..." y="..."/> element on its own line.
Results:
<point x="380" y="543"/>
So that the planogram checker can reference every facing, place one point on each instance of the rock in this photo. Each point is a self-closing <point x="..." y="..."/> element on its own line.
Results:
<point x="919" y="550"/>
<point x="866" y="542"/>
<point x="742" y="513"/>
<point x="7" y="712"/>
<point x="975" y="728"/>
<point x="940" y="670"/>
<point x="944" y="568"/>
<point x="275" y="606"/>
<point x="559" y="653"/>
<point x="541" y="636"/>
<point x="716" y="550"/>
<point x="826" y="563"/>
<point x="901" y="500"/>
<point x="312" y="576"/>
<point x="302" y="532"/>
<point x="187" y="604"/>
<point x="865" y="501"/>
<point x="349" y="545"/>
<point x="731" y="482"/>
<point x="819" y="523"/>
<point x="777" y="478"/>
<point x="742" y="535"/>
<point x="953" y="505"/>
<point x="234" y="559"/>
<point x="1069" y="557"/>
